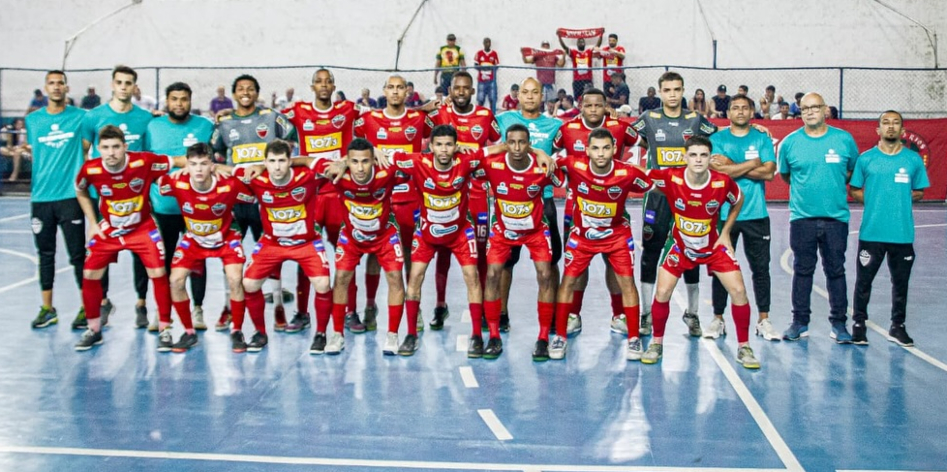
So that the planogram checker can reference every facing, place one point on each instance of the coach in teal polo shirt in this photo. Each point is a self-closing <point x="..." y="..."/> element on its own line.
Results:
<point x="817" y="162"/>
<point x="888" y="178"/>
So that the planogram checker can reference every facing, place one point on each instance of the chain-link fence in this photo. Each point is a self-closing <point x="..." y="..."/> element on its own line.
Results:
<point x="857" y="93"/>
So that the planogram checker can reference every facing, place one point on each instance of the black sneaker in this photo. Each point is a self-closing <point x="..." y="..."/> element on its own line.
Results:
<point x="541" y="351"/>
<point x="504" y="322"/>
<point x="186" y="342"/>
<point x="257" y="342"/>
<point x="409" y="346"/>
<point x="237" y="343"/>
<point x="370" y="320"/>
<point x="475" y="348"/>
<point x="80" y="322"/>
<point x="860" y="334"/>
<point x="105" y="311"/>
<point x="165" y="341"/>
<point x="89" y="338"/>
<point x="299" y="322"/>
<point x="494" y="348"/>
<point x="484" y="326"/>
<point x="354" y="324"/>
<point x="141" y="317"/>
<point x="441" y="313"/>
<point x="46" y="317"/>
<point x="900" y="335"/>
<point x="318" y="344"/>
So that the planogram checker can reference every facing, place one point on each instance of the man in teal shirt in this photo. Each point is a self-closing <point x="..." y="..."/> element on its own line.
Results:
<point x="170" y="135"/>
<point x="54" y="134"/>
<point x="888" y="178"/>
<point x="754" y="164"/>
<point x="542" y="132"/>
<point x="817" y="161"/>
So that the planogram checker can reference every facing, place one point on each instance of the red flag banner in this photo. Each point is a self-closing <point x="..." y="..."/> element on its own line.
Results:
<point x="537" y="53"/>
<point x="580" y="33"/>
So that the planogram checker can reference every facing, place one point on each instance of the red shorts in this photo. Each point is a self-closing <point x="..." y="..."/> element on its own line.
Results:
<point x="330" y="214"/>
<point x="463" y="246"/>
<point x="499" y="246"/>
<point x="721" y="260"/>
<point x="619" y="249"/>
<point x="386" y="246"/>
<point x="145" y="241"/>
<point x="268" y="256"/>
<point x="405" y="215"/>
<point x="190" y="255"/>
<point x="479" y="209"/>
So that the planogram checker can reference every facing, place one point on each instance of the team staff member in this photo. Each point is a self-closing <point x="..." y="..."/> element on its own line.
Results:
<point x="887" y="179"/>
<point x="54" y="133"/>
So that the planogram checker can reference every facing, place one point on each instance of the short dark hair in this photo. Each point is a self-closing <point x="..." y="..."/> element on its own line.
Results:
<point x="698" y="140"/>
<point x="783" y="104"/>
<point x="111" y="132"/>
<point x="444" y="130"/>
<point x="178" y="87"/>
<point x="120" y="69"/>
<point x="359" y="144"/>
<point x="256" y="84"/>
<point x="409" y="84"/>
<point x="799" y="95"/>
<point x="744" y="87"/>
<point x="462" y="73"/>
<point x="670" y="76"/>
<point x="613" y="35"/>
<point x="594" y="91"/>
<point x="200" y="150"/>
<point x="57" y="72"/>
<point x="891" y="111"/>
<point x="516" y="128"/>
<point x="601" y="133"/>
<point x="278" y="147"/>
<point x="770" y="88"/>
<point x="740" y="96"/>
<point x="515" y="87"/>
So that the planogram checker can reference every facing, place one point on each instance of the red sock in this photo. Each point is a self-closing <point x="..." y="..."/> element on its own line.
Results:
<point x="338" y="318"/>
<point x="353" y="294"/>
<point x="476" y="318"/>
<point x="394" y="317"/>
<point x="492" y="311"/>
<point x="303" y="287"/>
<point x="659" y="317"/>
<point x="562" y="318"/>
<point x="255" y="303"/>
<point x="371" y="288"/>
<point x="546" y="313"/>
<point x="237" y="312"/>
<point x="577" y="296"/>
<point x="741" y="318"/>
<point x="440" y="276"/>
<point x="617" y="308"/>
<point x="323" y="308"/>
<point x="412" y="307"/>
<point x="163" y="299"/>
<point x="632" y="319"/>
<point x="91" y="297"/>
<point x="183" y="308"/>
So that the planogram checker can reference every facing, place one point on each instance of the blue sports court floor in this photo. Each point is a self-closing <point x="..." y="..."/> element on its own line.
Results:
<point x="814" y="405"/>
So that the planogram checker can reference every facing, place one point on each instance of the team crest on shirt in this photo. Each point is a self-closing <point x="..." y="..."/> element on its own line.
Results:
<point x="136" y="184"/>
<point x="410" y="132"/>
<point x="298" y="194"/>
<point x="262" y="130"/>
<point x="687" y="134"/>
<point x="105" y="191"/>
<point x="864" y="257"/>
<point x="187" y="208"/>
<point x="679" y="204"/>
<point x="218" y="209"/>
<point x="338" y="121"/>
<point x="458" y="182"/>
<point x="267" y="197"/>
<point x="476" y="131"/>
<point x="712" y="207"/>
<point x="379" y="194"/>
<point x="533" y="190"/>
<point x="614" y="192"/>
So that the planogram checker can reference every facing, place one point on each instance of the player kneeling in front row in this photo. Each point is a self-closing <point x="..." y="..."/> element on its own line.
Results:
<point x="600" y="186"/>
<point x="695" y="194"/>
<point x="206" y="203"/>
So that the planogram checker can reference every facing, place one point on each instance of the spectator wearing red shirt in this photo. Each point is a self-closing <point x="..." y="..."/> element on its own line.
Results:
<point x="545" y="59"/>
<point x="486" y="61"/>
<point x="511" y="101"/>
<point x="613" y="58"/>
<point x="581" y="65"/>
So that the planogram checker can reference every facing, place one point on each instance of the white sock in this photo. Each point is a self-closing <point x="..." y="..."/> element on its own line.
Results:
<point x="226" y="292"/>
<point x="693" y="298"/>
<point x="277" y="292"/>
<point x="647" y="297"/>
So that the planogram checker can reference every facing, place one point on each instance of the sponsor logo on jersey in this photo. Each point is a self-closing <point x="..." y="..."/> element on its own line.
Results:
<point x="583" y="188"/>
<point x="718" y="184"/>
<point x="594" y="234"/>
<point x="501" y="189"/>
<point x="105" y="191"/>
<point x="120" y="185"/>
<point x="660" y="136"/>
<point x="248" y="153"/>
<point x="125" y="207"/>
<point x="286" y="215"/>
<point x="308" y="125"/>
<point x="712" y="206"/>
<point x="136" y="184"/>
<point x="457" y="183"/>
<point x="429" y="183"/>
<point x="693" y="227"/>
<point x="439" y="230"/>
<point x="381" y="134"/>
<point x="578" y="146"/>
<point x="614" y="192"/>
<point x="233" y="135"/>
<point x="597" y="209"/>
<point x="338" y="121"/>
<point x="201" y="206"/>
<point x="187" y="208"/>
<point x="140" y="162"/>
<point x="364" y="212"/>
<point x="410" y="132"/>
<point x="679" y="204"/>
<point x="436" y="202"/>
<point x="164" y="189"/>
<point x="515" y="209"/>
<point x="533" y="190"/>
<point x="476" y="131"/>
<point x="670" y="157"/>
<point x="94" y="170"/>
<point x="267" y="197"/>
<point x="262" y="130"/>
<point x="298" y="193"/>
<point x="348" y="194"/>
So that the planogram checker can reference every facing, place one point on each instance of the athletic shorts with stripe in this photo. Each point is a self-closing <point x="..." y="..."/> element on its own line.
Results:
<point x="463" y="246"/>
<point x="145" y="241"/>
<point x="190" y="255"/>
<point x="677" y="262"/>
<point x="386" y="246"/>
<point x="618" y="249"/>
<point x="269" y="255"/>
<point x="499" y="246"/>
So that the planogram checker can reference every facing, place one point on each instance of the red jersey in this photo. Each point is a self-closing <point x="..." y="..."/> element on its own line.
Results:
<point x="123" y="195"/>
<point x="474" y="130"/>
<point x="486" y="62"/>
<point x="207" y="215"/>
<point x="510" y="103"/>
<point x="696" y="210"/>
<point x="518" y="205"/>
<point x="581" y="64"/>
<point x="287" y="211"/>
<point x="600" y="199"/>
<point x="323" y="133"/>
<point x="612" y="61"/>
<point x="404" y="133"/>
<point x="443" y="193"/>
<point x="573" y="135"/>
<point x="368" y="204"/>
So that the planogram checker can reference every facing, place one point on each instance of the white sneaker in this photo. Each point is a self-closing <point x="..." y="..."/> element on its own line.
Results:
<point x="765" y="329"/>
<point x="336" y="344"/>
<point x="634" y="352"/>
<point x="199" y="323"/>
<point x="619" y="324"/>
<point x="557" y="349"/>
<point x="575" y="325"/>
<point x="391" y="344"/>
<point x="716" y="329"/>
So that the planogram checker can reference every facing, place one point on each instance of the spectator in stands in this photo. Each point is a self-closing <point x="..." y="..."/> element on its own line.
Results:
<point x="648" y="102"/>
<point x="39" y="101"/>
<point x="794" y="108"/>
<point x="512" y="100"/>
<point x="382" y="102"/>
<point x="783" y="112"/>
<point x="768" y="102"/>
<point x="699" y="103"/>
<point x="545" y="59"/>
<point x="552" y="107"/>
<point x="439" y="95"/>
<point x="486" y="61"/>
<point x="413" y="98"/>
<point x="616" y="91"/>
<point x="283" y="102"/>
<point x="220" y="102"/>
<point x="624" y="111"/>
<point x="569" y="110"/>
<point x="831" y="113"/>
<point x="90" y="100"/>
<point x="743" y="90"/>
<point x="143" y="101"/>
<point x="15" y="145"/>
<point x="366" y="100"/>
<point x="339" y="97"/>
<point x="721" y="102"/>
<point x="449" y="60"/>
<point x="581" y="65"/>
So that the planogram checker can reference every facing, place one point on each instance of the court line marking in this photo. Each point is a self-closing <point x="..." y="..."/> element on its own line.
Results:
<point x="784" y="264"/>
<point x="24" y="255"/>
<point x="766" y="426"/>
<point x="15" y="231"/>
<point x="462" y="340"/>
<point x="467" y="375"/>
<point x="30" y="280"/>
<point x="867" y="470"/>
<point x="500" y="431"/>
<point x="325" y="461"/>
<point x="13" y="218"/>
